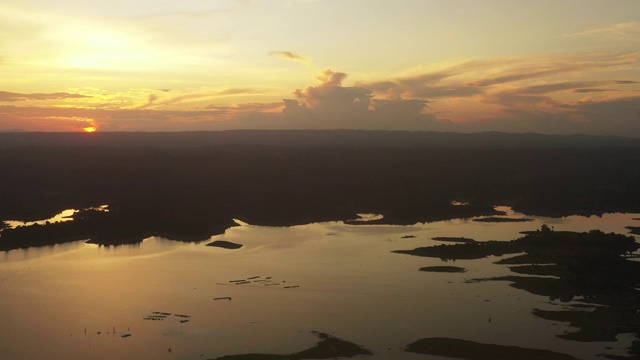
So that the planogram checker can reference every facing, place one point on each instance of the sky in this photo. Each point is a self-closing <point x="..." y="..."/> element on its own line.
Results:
<point x="544" y="66"/>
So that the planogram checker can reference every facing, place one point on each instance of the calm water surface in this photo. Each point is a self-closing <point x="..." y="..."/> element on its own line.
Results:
<point x="77" y="300"/>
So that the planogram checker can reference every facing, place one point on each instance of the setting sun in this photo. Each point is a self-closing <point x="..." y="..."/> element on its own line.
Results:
<point x="89" y="129"/>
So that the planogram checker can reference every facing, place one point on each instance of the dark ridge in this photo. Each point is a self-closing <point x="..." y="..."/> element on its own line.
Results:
<point x="331" y="138"/>
<point x="471" y="350"/>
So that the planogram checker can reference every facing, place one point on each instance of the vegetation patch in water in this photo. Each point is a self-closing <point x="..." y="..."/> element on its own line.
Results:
<point x="471" y="350"/>
<point x="443" y="269"/>
<point x="462" y="240"/>
<point x="328" y="347"/>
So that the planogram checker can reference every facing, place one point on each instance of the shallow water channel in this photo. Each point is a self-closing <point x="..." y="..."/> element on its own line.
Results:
<point x="164" y="299"/>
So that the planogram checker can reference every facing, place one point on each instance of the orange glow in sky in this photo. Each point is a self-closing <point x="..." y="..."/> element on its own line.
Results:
<point x="555" y="67"/>
<point x="89" y="129"/>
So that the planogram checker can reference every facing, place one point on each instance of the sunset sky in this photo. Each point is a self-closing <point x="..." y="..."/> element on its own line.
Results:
<point x="546" y="66"/>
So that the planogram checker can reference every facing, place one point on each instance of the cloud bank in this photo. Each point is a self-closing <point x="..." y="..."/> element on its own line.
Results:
<point x="548" y="94"/>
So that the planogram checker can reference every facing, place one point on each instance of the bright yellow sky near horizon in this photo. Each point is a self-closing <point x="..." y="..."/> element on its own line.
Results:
<point x="548" y="66"/>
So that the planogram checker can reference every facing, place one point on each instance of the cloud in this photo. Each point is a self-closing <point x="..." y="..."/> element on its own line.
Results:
<point x="155" y="100"/>
<point x="520" y="100"/>
<point x="590" y="90"/>
<point x="551" y="94"/>
<point x="399" y="108"/>
<point x="473" y="78"/>
<point x="562" y="86"/>
<point x="627" y="31"/>
<point x="6" y="96"/>
<point x="291" y="56"/>
<point x="330" y="95"/>
<point x="272" y="107"/>
<point x="241" y="91"/>
<point x="331" y="105"/>
<point x="539" y="95"/>
<point x="74" y="119"/>
<point x="527" y="69"/>
<point x="618" y="116"/>
<point x="152" y="99"/>
<point x="522" y="74"/>
<point x="423" y="84"/>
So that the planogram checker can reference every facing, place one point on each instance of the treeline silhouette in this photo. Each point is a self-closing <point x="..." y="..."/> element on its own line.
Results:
<point x="191" y="192"/>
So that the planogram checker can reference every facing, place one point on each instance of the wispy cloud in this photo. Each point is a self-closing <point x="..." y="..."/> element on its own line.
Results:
<point x="591" y="90"/>
<point x="158" y="100"/>
<point x="291" y="56"/>
<point x="12" y="96"/>
<point x="571" y="86"/>
<point x="240" y="91"/>
<point x="627" y="31"/>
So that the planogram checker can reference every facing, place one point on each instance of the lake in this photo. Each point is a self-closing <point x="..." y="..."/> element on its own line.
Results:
<point x="163" y="299"/>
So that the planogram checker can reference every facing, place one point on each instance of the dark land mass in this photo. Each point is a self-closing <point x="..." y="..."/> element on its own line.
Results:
<point x="502" y="219"/>
<point x="463" y="240"/>
<point x="471" y="350"/>
<point x="189" y="186"/>
<point x="591" y="267"/>
<point x="600" y="324"/>
<point x="328" y="347"/>
<point x="443" y="269"/>
<point x="113" y="228"/>
<point x="465" y="251"/>
<point x="522" y="259"/>
<point x="633" y="353"/>
<point x="544" y="246"/>
<point x="634" y="229"/>
<point x="225" y="244"/>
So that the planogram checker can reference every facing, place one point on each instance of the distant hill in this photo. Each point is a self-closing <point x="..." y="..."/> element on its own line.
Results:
<point x="359" y="138"/>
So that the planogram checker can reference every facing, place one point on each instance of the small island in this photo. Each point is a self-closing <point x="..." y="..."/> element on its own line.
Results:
<point x="502" y="219"/>
<point x="462" y="240"/>
<point x="443" y="269"/>
<point x="225" y="244"/>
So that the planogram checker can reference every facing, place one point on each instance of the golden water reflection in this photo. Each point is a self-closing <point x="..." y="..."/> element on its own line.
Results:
<point x="332" y="277"/>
